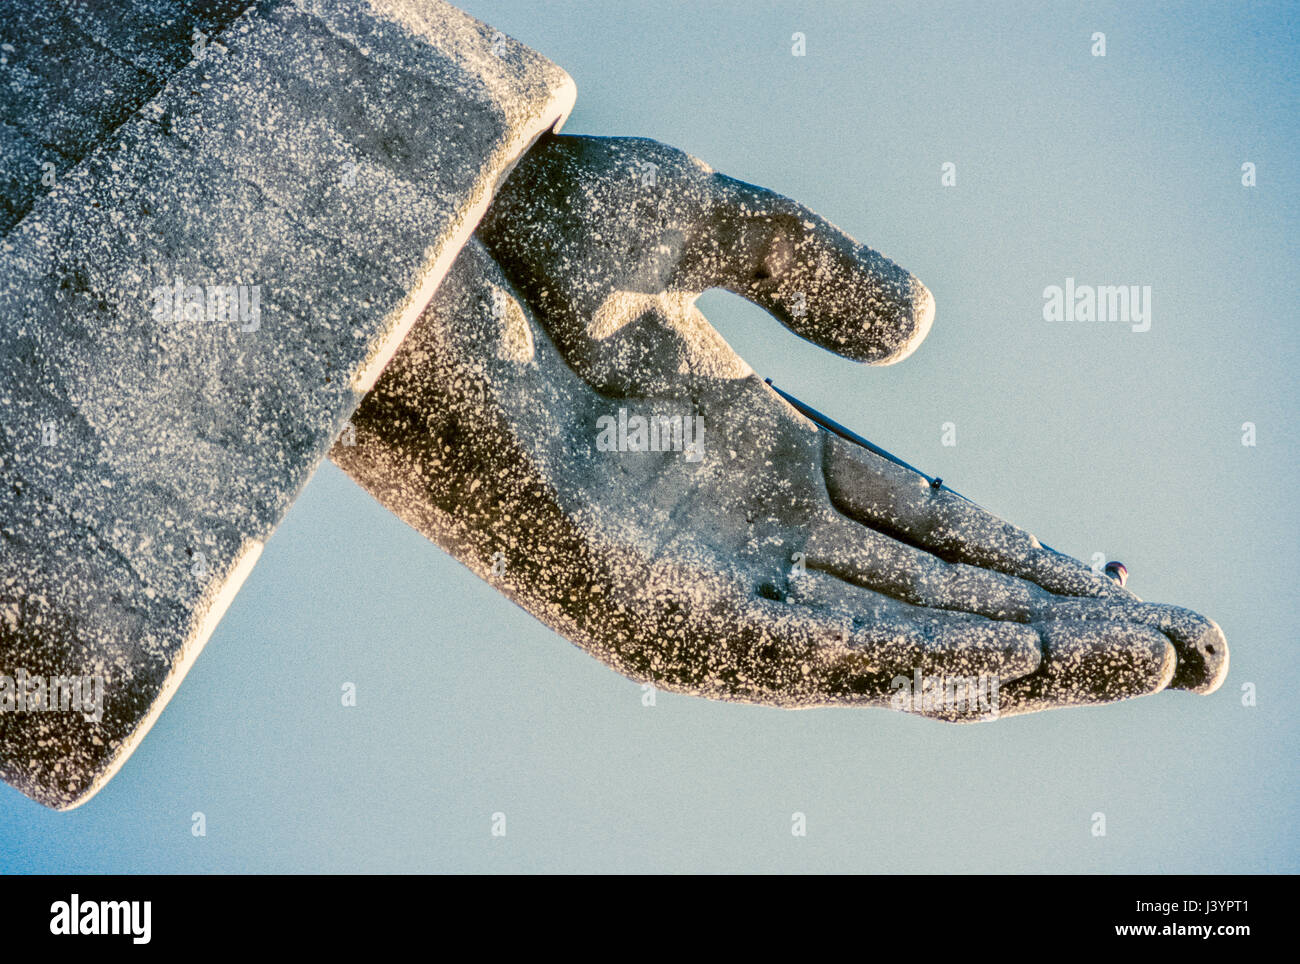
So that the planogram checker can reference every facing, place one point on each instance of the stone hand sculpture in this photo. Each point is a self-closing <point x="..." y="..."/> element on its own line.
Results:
<point x="220" y="221"/>
<point x="565" y="422"/>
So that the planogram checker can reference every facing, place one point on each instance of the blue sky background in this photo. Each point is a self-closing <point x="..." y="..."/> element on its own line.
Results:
<point x="1117" y="170"/>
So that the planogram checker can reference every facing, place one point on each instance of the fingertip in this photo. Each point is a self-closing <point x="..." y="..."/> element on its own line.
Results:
<point x="878" y="314"/>
<point x="1202" y="660"/>
<point x="921" y="310"/>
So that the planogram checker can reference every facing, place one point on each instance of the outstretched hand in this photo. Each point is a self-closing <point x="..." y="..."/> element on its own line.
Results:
<point x="565" y="422"/>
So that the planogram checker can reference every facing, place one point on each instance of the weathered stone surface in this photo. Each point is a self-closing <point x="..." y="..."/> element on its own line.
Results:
<point x="73" y="72"/>
<point x="755" y="557"/>
<point x="328" y="157"/>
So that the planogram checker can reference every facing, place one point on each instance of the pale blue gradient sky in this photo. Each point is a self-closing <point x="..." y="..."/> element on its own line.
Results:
<point x="1122" y="170"/>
